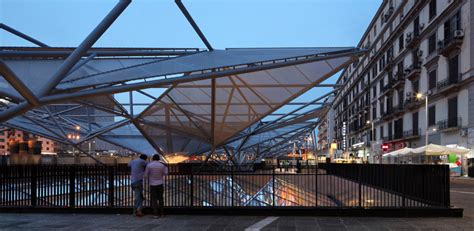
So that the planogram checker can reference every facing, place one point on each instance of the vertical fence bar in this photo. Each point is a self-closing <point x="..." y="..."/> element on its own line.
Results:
<point x="273" y="186"/>
<point x="111" y="186"/>
<point x="33" y="185"/>
<point x="72" y="182"/>
<point x="403" y="183"/>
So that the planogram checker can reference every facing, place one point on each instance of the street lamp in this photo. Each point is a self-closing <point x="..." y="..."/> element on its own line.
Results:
<point x="420" y="96"/>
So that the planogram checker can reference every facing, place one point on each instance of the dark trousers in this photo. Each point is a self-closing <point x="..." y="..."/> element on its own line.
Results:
<point x="156" y="194"/>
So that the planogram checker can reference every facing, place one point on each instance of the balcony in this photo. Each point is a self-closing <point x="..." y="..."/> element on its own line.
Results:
<point x="412" y="102"/>
<point x="411" y="134"/>
<point x="413" y="71"/>
<point x="399" y="109"/>
<point x="398" y="80"/>
<point x="452" y="43"/>
<point x="388" y="114"/>
<point x="412" y="39"/>
<point x="448" y="85"/>
<point x="387" y="138"/>
<point x="450" y="124"/>
<point x="388" y="87"/>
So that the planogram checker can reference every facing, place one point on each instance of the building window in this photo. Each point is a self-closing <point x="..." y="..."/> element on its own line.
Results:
<point x="374" y="111"/>
<point x="374" y="91"/>
<point x="381" y="132"/>
<point x="19" y="135"/>
<point x="453" y="111"/>
<point x="401" y="40"/>
<point x="432" y="43"/>
<point x="432" y="9"/>
<point x="450" y="26"/>
<point x="432" y="79"/>
<point x="432" y="115"/>
<point x="414" y="124"/>
<point x="454" y="69"/>
<point x="416" y="86"/>
<point x="2" y="140"/>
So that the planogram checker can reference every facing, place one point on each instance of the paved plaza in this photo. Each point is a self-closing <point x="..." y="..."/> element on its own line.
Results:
<point x="462" y="195"/>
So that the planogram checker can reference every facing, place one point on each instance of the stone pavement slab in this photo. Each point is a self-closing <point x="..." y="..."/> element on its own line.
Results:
<point x="184" y="222"/>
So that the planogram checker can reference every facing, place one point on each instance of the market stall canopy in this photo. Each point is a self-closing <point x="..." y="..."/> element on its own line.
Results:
<point x="399" y="152"/>
<point x="437" y="150"/>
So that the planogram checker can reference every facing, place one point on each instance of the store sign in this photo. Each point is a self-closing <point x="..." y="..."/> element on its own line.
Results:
<point x="344" y="137"/>
<point x="385" y="147"/>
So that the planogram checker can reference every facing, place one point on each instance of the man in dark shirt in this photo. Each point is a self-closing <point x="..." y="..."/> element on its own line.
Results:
<point x="136" y="181"/>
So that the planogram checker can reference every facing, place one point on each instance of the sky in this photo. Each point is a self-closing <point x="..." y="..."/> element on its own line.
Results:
<point x="225" y="23"/>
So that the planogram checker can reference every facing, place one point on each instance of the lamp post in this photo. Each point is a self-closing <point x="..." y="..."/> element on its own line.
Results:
<point x="420" y="96"/>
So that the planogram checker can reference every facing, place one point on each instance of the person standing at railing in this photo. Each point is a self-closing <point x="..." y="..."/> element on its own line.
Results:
<point x="136" y="181"/>
<point x="154" y="174"/>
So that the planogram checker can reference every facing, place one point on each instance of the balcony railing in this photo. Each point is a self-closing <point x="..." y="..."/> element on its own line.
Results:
<point x="399" y="109"/>
<point x="447" y="83"/>
<point x="413" y="71"/>
<point x="450" y="123"/>
<point x="399" y="79"/>
<point x="412" y="102"/>
<point x="411" y="133"/>
<point x="452" y="41"/>
<point x="388" y="114"/>
<point x="388" y="87"/>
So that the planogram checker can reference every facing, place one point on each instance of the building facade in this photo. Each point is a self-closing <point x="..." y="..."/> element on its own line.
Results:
<point x="47" y="145"/>
<point x="418" y="52"/>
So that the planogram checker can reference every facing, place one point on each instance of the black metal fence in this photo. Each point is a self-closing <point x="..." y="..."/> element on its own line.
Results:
<point x="330" y="185"/>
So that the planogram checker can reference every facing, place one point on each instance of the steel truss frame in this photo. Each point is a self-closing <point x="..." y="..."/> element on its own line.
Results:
<point x="56" y="111"/>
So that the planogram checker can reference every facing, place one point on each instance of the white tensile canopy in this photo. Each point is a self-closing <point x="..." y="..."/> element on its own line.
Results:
<point x="399" y="152"/>
<point x="439" y="150"/>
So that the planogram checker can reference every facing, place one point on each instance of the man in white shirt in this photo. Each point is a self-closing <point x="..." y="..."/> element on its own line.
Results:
<point x="155" y="173"/>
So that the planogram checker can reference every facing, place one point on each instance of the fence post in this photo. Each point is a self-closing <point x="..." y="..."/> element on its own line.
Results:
<point x="447" y="196"/>
<point x="316" y="174"/>
<point x="192" y="189"/>
<point x="34" y="172"/>
<point x="72" y="184"/>
<point x="111" y="185"/>
<point x="360" y="184"/>
<point x="404" y="186"/>
<point x="273" y="186"/>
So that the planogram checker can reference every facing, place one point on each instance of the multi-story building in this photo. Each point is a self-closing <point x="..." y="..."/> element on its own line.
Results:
<point x="47" y="145"/>
<point x="415" y="49"/>
<point x="326" y="131"/>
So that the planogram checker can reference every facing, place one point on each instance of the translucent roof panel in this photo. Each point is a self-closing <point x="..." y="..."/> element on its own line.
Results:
<point x="194" y="63"/>
<point x="35" y="73"/>
<point x="129" y="137"/>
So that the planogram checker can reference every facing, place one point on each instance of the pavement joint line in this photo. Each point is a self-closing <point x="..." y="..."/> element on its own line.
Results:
<point x="261" y="224"/>
<point x="462" y="192"/>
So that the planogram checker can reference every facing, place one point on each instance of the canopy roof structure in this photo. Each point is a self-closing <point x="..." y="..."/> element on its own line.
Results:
<point x="166" y="100"/>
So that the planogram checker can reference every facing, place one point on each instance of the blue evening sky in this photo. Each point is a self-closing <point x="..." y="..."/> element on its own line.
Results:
<point x="226" y="23"/>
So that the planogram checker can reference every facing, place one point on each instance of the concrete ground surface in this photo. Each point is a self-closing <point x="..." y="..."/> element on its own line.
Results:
<point x="462" y="195"/>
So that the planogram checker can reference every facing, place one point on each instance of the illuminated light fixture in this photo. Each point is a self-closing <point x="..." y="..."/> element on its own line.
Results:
<point x="419" y="95"/>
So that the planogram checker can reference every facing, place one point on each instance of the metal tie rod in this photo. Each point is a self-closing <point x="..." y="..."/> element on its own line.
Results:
<point x="193" y="24"/>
